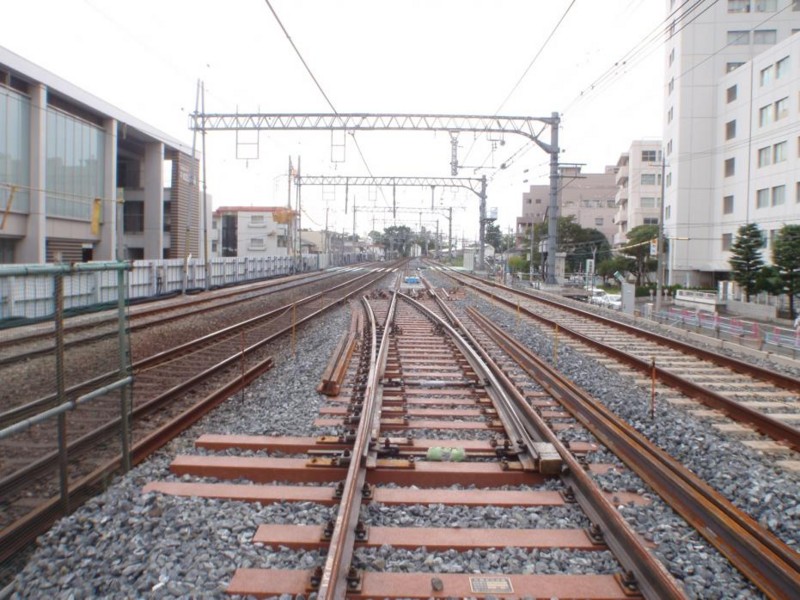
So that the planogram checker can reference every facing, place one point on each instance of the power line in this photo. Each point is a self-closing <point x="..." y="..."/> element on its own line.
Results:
<point x="641" y="50"/>
<point x="300" y="56"/>
<point x="527" y="69"/>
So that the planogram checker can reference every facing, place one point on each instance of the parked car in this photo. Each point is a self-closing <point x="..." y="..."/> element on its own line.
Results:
<point x="597" y="296"/>
<point x="613" y="301"/>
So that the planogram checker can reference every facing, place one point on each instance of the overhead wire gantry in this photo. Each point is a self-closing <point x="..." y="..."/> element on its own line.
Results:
<point x="529" y="127"/>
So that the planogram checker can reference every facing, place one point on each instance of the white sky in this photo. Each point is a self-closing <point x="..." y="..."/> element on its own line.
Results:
<point x="373" y="56"/>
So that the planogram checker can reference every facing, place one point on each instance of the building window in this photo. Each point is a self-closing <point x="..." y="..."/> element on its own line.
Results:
<point x="538" y="201"/>
<point x="648" y="179"/>
<point x="649" y="156"/>
<point x="670" y="115"/>
<point x="779" y="152"/>
<point x="650" y="221"/>
<point x="738" y="6"/>
<point x="730" y="130"/>
<point x="766" y="76"/>
<point x="762" y="198"/>
<point x="778" y="195"/>
<point x="781" y="108"/>
<point x="727" y="205"/>
<point x="256" y="243"/>
<point x="765" y="36"/>
<point x="731" y="93"/>
<point x="730" y="167"/>
<point x="671" y="56"/>
<point x="727" y="241"/>
<point x="764" y="115"/>
<point x="765" y="6"/>
<point x="598" y="221"/>
<point x="257" y="221"/>
<point x="671" y="85"/>
<point x="669" y="179"/>
<point x="281" y="241"/>
<point x="732" y="66"/>
<point x="782" y="68"/>
<point x="528" y="201"/>
<point x="133" y="216"/>
<point x="669" y="147"/>
<point x="667" y="212"/>
<point x="648" y="202"/>
<point x="763" y="156"/>
<point x="738" y="38"/>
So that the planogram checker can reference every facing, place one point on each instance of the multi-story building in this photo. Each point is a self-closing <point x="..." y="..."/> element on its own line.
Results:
<point x="715" y="133"/>
<point x="638" y="196"/>
<point x="589" y="197"/>
<point x="68" y="159"/>
<point x="251" y="231"/>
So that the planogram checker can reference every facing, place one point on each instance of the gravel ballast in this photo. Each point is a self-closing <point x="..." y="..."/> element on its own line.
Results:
<point x="125" y="544"/>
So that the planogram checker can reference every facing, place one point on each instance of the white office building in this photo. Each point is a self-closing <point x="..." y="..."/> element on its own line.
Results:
<point x="719" y="122"/>
<point x="68" y="160"/>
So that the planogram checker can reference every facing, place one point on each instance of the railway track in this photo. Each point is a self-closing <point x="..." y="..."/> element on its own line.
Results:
<point x="172" y="390"/>
<point x="20" y="344"/>
<point x="454" y="492"/>
<point x="416" y="386"/>
<point x="761" y="398"/>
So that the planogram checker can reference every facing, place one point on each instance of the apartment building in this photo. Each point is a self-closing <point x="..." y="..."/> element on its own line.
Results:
<point x="589" y="197"/>
<point x="638" y="198"/>
<point x="713" y="131"/>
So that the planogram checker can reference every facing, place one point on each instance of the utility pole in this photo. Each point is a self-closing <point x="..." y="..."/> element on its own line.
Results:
<point x="354" y="220"/>
<point x="660" y="241"/>
<point x="450" y="234"/>
<point x="533" y="237"/>
<point x="299" y="217"/>
<point x="481" y="232"/>
<point x="552" y="223"/>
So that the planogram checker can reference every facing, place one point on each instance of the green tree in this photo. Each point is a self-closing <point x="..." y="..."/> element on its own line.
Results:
<point x="638" y="248"/>
<point x="578" y="242"/>
<point x="606" y="268"/>
<point x="786" y="258"/>
<point x="746" y="260"/>
<point x="492" y="235"/>
<point x="769" y="280"/>
<point x="398" y="238"/>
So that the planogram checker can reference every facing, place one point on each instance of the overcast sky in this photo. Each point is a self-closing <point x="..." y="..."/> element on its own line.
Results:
<point x="373" y="56"/>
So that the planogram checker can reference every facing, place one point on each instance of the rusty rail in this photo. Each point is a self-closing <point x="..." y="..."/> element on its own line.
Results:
<point x="335" y="371"/>
<point x="337" y="577"/>
<point x="767" y="425"/>
<point x="764" y="559"/>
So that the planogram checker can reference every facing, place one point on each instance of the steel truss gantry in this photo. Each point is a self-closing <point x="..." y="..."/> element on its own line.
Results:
<point x="473" y="184"/>
<point x="524" y="126"/>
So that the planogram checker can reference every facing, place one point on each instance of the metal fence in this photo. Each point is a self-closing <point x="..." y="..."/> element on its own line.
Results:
<point x="61" y="369"/>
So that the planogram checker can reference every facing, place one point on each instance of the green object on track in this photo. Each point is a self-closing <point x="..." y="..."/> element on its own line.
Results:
<point x="457" y="454"/>
<point x="434" y="453"/>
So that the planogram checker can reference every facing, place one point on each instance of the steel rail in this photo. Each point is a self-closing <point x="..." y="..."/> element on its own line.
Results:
<point x="524" y="438"/>
<point x="221" y="300"/>
<point x="18" y="413"/>
<point x="13" y="482"/>
<point x="784" y="381"/>
<point x="764" y="559"/>
<point x="650" y="575"/>
<point x="770" y="427"/>
<point x="24" y="531"/>
<point x="335" y="579"/>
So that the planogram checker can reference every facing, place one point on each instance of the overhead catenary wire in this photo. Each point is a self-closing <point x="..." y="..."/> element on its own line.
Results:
<point x="527" y="69"/>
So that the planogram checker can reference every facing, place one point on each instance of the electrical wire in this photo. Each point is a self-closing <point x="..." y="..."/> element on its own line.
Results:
<point x="300" y="56"/>
<point x="526" y="71"/>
